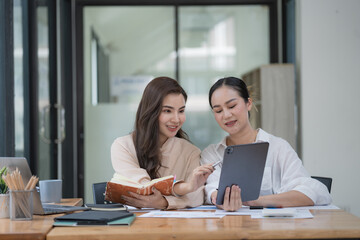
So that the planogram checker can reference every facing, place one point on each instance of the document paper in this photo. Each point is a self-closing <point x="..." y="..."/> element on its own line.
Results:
<point x="180" y="214"/>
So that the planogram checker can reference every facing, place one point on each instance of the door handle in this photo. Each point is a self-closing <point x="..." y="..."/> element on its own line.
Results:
<point x="61" y="111"/>
<point x="42" y="130"/>
<point x="45" y="111"/>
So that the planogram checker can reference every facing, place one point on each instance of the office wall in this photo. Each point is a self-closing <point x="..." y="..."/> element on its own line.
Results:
<point x="328" y="71"/>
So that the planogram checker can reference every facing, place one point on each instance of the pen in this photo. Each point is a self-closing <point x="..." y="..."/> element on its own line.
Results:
<point x="273" y="207"/>
<point x="217" y="163"/>
<point x="256" y="207"/>
<point x="262" y="207"/>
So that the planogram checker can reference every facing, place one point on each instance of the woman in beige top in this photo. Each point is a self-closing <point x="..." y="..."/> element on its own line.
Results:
<point x="158" y="147"/>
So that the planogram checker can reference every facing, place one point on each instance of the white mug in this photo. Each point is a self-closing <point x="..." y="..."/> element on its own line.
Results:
<point x="50" y="190"/>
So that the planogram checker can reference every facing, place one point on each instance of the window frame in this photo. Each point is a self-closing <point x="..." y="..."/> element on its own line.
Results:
<point x="78" y="71"/>
<point x="7" y="116"/>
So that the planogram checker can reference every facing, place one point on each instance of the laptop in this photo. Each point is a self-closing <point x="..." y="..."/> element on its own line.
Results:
<point x="243" y="165"/>
<point x="38" y="208"/>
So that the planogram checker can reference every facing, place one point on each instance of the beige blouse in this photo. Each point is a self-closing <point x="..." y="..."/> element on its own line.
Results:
<point x="179" y="158"/>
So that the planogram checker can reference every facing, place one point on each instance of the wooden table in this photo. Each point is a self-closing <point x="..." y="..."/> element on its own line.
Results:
<point x="37" y="228"/>
<point x="325" y="224"/>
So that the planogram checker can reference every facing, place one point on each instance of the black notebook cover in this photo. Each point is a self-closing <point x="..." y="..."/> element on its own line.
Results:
<point x="94" y="217"/>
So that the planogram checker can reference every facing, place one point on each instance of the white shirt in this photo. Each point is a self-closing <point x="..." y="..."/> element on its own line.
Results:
<point x="283" y="171"/>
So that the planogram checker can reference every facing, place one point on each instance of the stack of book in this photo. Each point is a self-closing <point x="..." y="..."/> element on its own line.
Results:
<point x="100" y="214"/>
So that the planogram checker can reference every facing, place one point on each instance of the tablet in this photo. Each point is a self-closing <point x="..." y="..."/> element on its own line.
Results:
<point x="243" y="165"/>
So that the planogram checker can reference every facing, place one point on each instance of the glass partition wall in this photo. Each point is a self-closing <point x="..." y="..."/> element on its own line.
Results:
<point x="134" y="45"/>
<point x="18" y="79"/>
<point x="216" y="42"/>
<point x="43" y="162"/>
<point x="126" y="46"/>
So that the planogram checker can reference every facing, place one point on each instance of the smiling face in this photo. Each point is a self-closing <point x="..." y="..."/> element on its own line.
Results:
<point x="172" y="116"/>
<point x="230" y="110"/>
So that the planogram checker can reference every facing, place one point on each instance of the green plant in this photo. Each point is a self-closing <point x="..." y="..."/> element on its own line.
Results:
<point x="3" y="186"/>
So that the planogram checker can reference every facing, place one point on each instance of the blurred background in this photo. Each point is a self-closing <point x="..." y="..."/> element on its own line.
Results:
<point x="80" y="66"/>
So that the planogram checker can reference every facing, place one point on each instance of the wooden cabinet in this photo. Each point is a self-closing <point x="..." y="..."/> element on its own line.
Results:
<point x="272" y="88"/>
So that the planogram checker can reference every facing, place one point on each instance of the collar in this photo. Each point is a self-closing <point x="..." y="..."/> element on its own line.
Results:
<point x="262" y="136"/>
<point x="221" y="145"/>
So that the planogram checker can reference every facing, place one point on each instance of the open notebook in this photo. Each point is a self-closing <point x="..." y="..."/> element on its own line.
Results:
<point x="40" y="209"/>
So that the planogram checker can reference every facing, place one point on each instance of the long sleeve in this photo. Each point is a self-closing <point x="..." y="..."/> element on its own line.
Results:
<point x="190" y="156"/>
<point x="125" y="162"/>
<point x="209" y="155"/>
<point x="294" y="176"/>
<point x="179" y="158"/>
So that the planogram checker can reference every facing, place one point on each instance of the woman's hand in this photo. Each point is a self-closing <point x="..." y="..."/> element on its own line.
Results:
<point x="155" y="200"/>
<point x="197" y="179"/>
<point x="232" y="199"/>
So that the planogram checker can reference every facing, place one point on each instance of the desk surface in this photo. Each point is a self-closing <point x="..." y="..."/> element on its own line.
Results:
<point x="35" y="229"/>
<point x="325" y="224"/>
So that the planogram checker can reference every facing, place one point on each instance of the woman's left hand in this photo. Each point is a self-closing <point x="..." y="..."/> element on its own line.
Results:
<point x="232" y="199"/>
<point x="155" y="200"/>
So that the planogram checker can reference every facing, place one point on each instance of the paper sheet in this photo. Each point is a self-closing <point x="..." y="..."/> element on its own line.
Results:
<point x="300" y="213"/>
<point x="200" y="208"/>
<point x="324" y="207"/>
<point x="245" y="210"/>
<point x="134" y="209"/>
<point x="180" y="214"/>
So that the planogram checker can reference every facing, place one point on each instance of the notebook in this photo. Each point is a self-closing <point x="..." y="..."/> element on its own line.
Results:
<point x="126" y="221"/>
<point x="243" y="165"/>
<point x="94" y="217"/>
<point x="38" y="208"/>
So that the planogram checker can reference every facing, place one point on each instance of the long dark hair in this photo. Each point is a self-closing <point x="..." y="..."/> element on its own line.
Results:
<point x="146" y="133"/>
<point x="235" y="83"/>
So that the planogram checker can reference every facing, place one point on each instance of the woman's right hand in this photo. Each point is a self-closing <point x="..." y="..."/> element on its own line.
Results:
<point x="199" y="176"/>
<point x="197" y="180"/>
<point x="232" y="199"/>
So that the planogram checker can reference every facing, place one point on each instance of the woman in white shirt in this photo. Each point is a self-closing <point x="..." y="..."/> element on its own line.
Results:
<point x="285" y="182"/>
